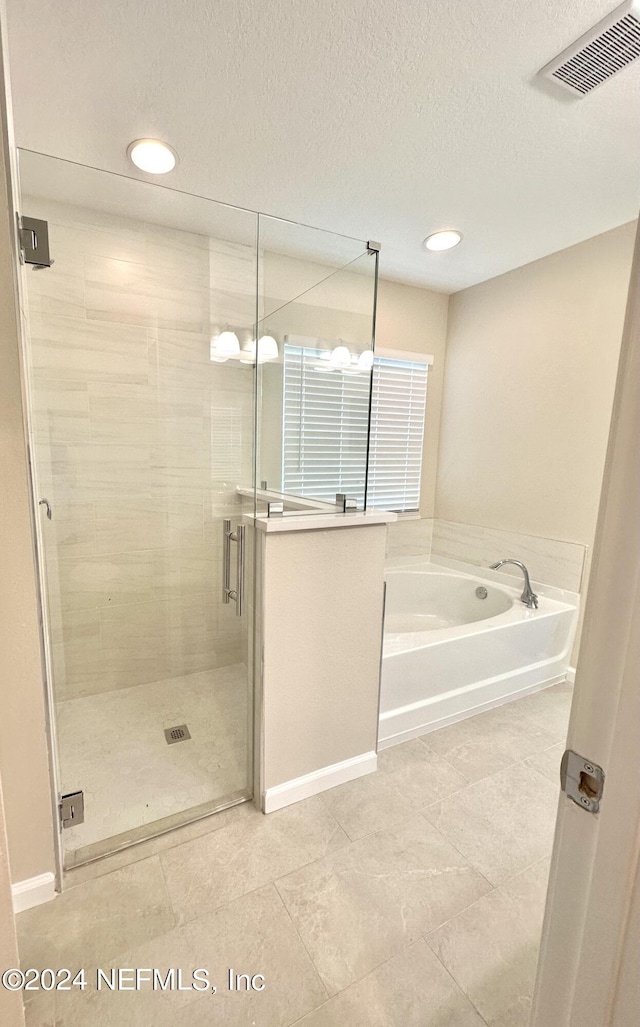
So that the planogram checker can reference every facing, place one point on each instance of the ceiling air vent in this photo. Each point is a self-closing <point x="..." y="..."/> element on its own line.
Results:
<point x="606" y="49"/>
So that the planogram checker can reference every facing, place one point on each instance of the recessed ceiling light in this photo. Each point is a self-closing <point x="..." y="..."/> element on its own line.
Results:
<point x="443" y="240"/>
<point x="151" y="155"/>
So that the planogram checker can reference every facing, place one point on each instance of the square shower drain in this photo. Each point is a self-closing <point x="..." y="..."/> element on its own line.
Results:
<point x="176" y="734"/>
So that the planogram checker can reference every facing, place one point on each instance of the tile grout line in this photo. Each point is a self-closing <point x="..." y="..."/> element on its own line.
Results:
<point x="402" y="948"/>
<point x="395" y="955"/>
<point x="456" y="983"/>
<point x="167" y="890"/>
<point x="274" y="885"/>
<point x="444" y="756"/>
<point x="497" y="888"/>
<point x="252" y="891"/>
<point x="492" y="887"/>
<point x="488" y="777"/>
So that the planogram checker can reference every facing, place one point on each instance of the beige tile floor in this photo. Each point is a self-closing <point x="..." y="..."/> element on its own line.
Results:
<point x="410" y="898"/>
<point x="99" y="735"/>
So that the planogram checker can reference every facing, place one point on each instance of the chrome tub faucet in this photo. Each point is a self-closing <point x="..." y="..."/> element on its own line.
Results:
<point x="528" y="597"/>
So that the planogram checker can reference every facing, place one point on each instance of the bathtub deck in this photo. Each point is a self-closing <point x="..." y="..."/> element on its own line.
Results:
<point x="411" y="897"/>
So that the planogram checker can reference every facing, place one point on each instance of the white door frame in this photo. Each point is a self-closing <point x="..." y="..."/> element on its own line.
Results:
<point x="588" y="973"/>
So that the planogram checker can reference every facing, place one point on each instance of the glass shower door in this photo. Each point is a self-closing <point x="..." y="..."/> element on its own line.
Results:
<point x="141" y="424"/>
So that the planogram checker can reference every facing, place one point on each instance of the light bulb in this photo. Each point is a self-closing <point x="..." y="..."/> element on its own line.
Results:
<point x="340" y="357"/>
<point x="224" y="346"/>
<point x="267" y="348"/>
<point x="445" y="240"/>
<point x="152" y="156"/>
<point x="365" y="360"/>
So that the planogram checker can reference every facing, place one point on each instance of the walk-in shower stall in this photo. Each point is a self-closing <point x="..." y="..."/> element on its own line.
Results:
<point x="164" y="348"/>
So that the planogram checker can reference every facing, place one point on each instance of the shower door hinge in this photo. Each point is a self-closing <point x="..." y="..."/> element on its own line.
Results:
<point x="582" y="781"/>
<point x="71" y="807"/>
<point x="33" y="235"/>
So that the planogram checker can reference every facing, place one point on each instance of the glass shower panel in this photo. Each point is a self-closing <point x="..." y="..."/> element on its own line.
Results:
<point x="142" y="432"/>
<point x="315" y="339"/>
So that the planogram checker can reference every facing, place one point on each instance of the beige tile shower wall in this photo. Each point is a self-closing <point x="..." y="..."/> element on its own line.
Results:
<point x="140" y="442"/>
<point x="549" y="561"/>
<point x="410" y="537"/>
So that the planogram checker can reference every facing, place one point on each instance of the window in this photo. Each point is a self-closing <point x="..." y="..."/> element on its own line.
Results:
<point x="398" y="400"/>
<point x="325" y="429"/>
<point x="324" y="448"/>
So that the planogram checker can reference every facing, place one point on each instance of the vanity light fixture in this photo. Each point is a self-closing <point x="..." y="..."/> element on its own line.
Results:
<point x="152" y="156"/>
<point x="267" y="350"/>
<point x="226" y="345"/>
<point x="444" y="240"/>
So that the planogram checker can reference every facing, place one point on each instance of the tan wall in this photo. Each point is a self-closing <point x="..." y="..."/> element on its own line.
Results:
<point x="11" y="1011"/>
<point x="322" y="595"/>
<point x="23" y="742"/>
<point x="529" y="380"/>
<point x="530" y="373"/>
<point x="416" y="320"/>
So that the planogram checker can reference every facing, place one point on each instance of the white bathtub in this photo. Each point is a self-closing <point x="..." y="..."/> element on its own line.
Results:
<point x="449" y="654"/>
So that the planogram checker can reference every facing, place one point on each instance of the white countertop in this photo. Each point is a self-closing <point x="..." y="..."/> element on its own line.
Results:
<point x="295" y="521"/>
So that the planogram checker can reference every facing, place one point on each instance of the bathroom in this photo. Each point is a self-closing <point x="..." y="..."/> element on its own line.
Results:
<point x="303" y="517"/>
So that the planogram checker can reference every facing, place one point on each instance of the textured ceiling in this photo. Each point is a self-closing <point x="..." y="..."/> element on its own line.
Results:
<point x="383" y="119"/>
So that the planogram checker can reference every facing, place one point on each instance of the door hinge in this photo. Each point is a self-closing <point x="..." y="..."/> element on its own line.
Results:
<point x="33" y="235"/>
<point x="582" y="780"/>
<point x="71" y="808"/>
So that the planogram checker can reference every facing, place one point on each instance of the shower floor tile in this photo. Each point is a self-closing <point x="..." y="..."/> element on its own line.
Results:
<point x="113" y="748"/>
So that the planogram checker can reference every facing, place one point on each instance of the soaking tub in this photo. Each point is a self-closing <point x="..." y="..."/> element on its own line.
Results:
<point x="449" y="652"/>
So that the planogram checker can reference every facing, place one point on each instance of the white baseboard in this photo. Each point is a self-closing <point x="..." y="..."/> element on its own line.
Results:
<point x="571" y="675"/>
<point x="33" y="892"/>
<point x="319" y="781"/>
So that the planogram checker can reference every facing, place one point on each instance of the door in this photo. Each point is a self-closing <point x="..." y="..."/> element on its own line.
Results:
<point x="589" y="969"/>
<point x="141" y="430"/>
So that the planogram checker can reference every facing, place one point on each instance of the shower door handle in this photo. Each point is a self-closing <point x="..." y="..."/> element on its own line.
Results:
<point x="240" y="530"/>
<point x="237" y="593"/>
<point x="226" y="560"/>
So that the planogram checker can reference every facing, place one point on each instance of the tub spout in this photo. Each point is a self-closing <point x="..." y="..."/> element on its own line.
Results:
<point x="528" y="597"/>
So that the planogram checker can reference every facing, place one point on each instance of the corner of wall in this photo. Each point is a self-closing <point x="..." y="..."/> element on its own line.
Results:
<point x="24" y="758"/>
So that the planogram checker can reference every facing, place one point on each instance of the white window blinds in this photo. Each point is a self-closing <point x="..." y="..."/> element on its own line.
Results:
<point x="398" y="402"/>
<point x="324" y="448"/>
<point x="325" y="429"/>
